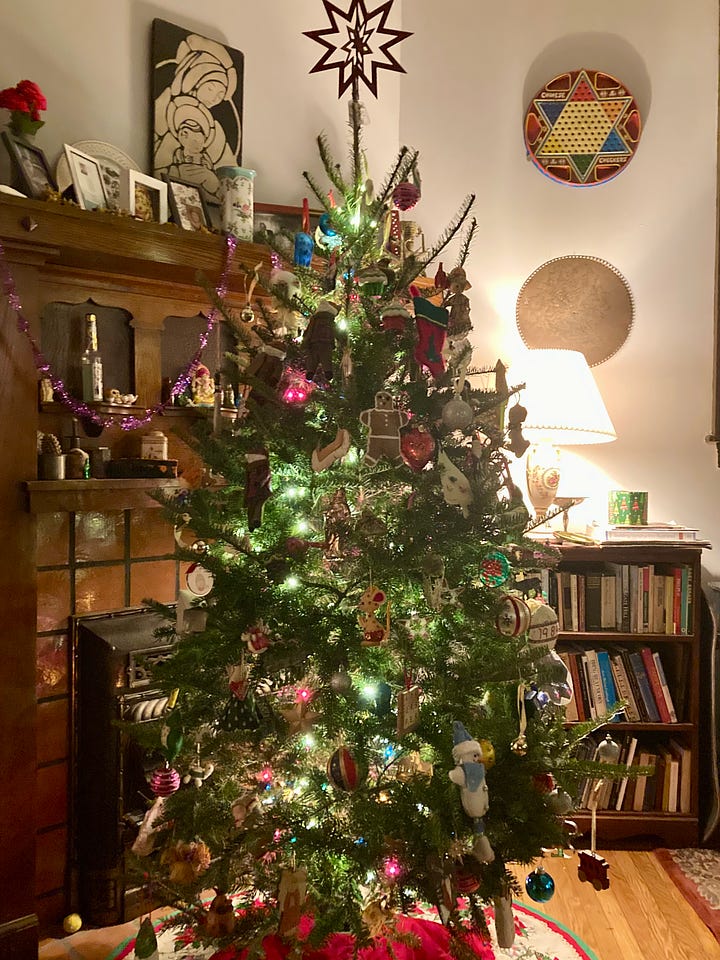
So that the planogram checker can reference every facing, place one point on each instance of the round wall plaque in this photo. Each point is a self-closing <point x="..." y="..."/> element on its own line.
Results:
<point x="576" y="303"/>
<point x="582" y="128"/>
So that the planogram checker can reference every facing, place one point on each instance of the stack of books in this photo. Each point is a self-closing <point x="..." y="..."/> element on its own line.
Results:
<point x="603" y="678"/>
<point x="652" y="533"/>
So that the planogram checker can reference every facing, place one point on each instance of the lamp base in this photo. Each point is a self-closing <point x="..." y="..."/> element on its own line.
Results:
<point x="543" y="476"/>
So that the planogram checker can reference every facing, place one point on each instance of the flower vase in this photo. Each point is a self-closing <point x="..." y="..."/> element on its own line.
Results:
<point x="236" y="192"/>
<point x="22" y="124"/>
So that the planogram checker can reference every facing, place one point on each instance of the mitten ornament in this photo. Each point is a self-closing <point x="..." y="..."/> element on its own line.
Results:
<point x="319" y="341"/>
<point x="432" y="323"/>
<point x="257" y="485"/>
<point x="384" y="423"/>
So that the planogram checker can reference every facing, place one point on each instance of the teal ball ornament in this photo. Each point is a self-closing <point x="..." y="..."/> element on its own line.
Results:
<point x="540" y="885"/>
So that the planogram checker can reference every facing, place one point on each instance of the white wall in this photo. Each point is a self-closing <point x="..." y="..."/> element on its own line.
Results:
<point x="91" y="59"/>
<point x="471" y="71"/>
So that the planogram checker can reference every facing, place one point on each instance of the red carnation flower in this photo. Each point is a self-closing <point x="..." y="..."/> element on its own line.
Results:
<point x="26" y="97"/>
<point x="10" y="99"/>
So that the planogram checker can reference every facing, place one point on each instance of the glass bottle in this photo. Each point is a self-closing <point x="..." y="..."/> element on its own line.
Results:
<point x="91" y="363"/>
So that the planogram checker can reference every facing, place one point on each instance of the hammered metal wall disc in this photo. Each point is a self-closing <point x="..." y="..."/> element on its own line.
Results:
<point x="582" y="128"/>
<point x="576" y="303"/>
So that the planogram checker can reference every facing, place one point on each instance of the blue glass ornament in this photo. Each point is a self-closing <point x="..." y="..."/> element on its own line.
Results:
<point x="326" y="226"/>
<point x="540" y="885"/>
<point x="304" y="247"/>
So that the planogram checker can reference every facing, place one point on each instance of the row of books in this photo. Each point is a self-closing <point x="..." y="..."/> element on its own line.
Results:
<point x="625" y="598"/>
<point x="601" y="678"/>
<point x="667" y="788"/>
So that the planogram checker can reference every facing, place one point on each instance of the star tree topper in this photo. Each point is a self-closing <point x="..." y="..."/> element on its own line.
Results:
<point x="360" y="33"/>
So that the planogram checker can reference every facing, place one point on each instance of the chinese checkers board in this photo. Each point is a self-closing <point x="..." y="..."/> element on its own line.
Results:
<point x="582" y="128"/>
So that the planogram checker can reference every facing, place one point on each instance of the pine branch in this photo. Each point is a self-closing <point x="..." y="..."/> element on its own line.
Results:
<point x="332" y="169"/>
<point x="467" y="241"/>
<point x="404" y="165"/>
<point x="317" y="190"/>
<point x="451" y="231"/>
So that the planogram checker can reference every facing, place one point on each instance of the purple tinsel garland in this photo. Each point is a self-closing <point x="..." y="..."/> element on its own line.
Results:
<point x="77" y="407"/>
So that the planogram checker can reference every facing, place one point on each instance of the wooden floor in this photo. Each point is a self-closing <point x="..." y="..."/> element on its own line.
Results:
<point x="643" y="916"/>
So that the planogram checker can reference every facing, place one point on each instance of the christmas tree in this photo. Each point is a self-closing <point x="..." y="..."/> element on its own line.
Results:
<point x="365" y="712"/>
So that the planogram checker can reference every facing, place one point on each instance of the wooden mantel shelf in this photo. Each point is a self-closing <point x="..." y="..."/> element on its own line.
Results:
<point x="63" y="235"/>
<point x="99" y="496"/>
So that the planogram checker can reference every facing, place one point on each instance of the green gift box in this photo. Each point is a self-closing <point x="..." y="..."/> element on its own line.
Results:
<point x="628" y="507"/>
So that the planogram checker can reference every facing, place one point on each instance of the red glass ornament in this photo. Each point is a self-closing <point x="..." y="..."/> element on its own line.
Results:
<point x="406" y="195"/>
<point x="164" y="781"/>
<point x="342" y="770"/>
<point x="417" y="447"/>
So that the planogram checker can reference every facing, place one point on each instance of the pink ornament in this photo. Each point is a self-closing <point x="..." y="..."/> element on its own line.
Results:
<point x="164" y="781"/>
<point x="406" y="195"/>
<point x="392" y="868"/>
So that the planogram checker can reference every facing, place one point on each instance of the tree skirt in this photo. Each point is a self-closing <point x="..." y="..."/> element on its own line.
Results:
<point x="696" y="873"/>
<point x="537" y="937"/>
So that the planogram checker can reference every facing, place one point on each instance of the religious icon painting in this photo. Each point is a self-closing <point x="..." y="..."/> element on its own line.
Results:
<point x="582" y="128"/>
<point x="197" y="91"/>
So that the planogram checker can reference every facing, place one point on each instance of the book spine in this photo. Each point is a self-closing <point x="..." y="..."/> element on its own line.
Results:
<point x="634" y="599"/>
<point x="607" y="599"/>
<point x="574" y="603"/>
<point x="596" y="684"/>
<point x="655" y="685"/>
<point x="625" y="580"/>
<point x="593" y="601"/>
<point x="644" y="685"/>
<point x="578" y="697"/>
<point x="632" y="746"/>
<point x="587" y="688"/>
<point x="622" y="684"/>
<point x="639" y="784"/>
<point x="677" y="598"/>
<point x="608" y="683"/>
<point x="566" y="600"/>
<point x="684" y="607"/>
<point x="634" y="686"/>
<point x="571" y="710"/>
<point x="669" y="588"/>
<point x="665" y="688"/>
<point x="658" y="603"/>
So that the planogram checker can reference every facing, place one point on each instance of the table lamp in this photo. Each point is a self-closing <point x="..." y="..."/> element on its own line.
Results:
<point x="564" y="407"/>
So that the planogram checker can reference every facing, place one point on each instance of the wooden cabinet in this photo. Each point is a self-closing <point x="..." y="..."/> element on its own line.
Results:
<point x="652" y="602"/>
<point x="57" y="253"/>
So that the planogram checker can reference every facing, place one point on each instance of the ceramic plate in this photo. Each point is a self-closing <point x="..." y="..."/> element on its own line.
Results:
<point x="112" y="161"/>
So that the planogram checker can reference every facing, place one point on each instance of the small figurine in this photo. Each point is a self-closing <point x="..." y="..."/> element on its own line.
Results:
<point x="374" y="633"/>
<point x="384" y="422"/>
<point x="319" y="340"/>
<point x="202" y="386"/>
<point x="593" y="869"/>
<point x="257" y="485"/>
<point x="469" y="775"/>
<point x="517" y="443"/>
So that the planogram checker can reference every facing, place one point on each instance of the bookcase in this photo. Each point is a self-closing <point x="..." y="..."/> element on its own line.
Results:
<point x="630" y="630"/>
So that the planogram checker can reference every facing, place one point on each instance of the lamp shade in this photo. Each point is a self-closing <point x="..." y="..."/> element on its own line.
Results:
<point x="562" y="399"/>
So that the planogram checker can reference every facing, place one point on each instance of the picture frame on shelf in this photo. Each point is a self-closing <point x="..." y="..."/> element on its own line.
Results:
<point x="214" y="213"/>
<point x="187" y="204"/>
<point x="273" y="223"/>
<point x="30" y="165"/>
<point x="87" y="179"/>
<point x="144" y="197"/>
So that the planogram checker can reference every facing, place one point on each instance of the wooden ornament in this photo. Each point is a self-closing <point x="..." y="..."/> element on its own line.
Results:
<point x="408" y="710"/>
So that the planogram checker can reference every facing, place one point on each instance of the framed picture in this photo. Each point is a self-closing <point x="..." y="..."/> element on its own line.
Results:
<point x="144" y="197"/>
<point x="214" y="212"/>
<point x="30" y="165"/>
<point x="87" y="178"/>
<point x="197" y="93"/>
<point x="187" y="205"/>
<point x="280" y="223"/>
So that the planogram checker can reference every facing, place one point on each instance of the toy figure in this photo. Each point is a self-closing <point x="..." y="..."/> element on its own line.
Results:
<point x="203" y="387"/>
<point x="469" y="775"/>
<point x="319" y="340"/>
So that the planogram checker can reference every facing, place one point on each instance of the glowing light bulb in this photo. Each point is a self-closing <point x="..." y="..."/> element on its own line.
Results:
<point x="265" y="775"/>
<point x="341" y="324"/>
<point x="302" y="526"/>
<point x="303" y="695"/>
<point x="370" y="691"/>
<point x="291" y="493"/>
<point x="292" y="583"/>
<point x="308" y="741"/>
<point x="392" y="868"/>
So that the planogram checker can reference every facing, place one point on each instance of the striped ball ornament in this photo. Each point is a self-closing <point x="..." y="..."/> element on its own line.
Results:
<point x="342" y="770"/>
<point x="164" y="781"/>
<point x="513" y="616"/>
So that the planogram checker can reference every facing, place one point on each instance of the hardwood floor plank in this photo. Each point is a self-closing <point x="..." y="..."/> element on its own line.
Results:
<point x="643" y="916"/>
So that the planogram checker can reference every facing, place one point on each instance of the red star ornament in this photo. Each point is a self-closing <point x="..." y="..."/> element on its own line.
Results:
<point x="360" y="33"/>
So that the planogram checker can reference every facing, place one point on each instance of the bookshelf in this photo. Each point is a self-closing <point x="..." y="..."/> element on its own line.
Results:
<point x="628" y="610"/>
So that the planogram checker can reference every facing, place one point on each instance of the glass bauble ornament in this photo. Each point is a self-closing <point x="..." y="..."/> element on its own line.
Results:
<point x="540" y="885"/>
<point x="457" y="413"/>
<point x="342" y="770"/>
<point x="417" y="447"/>
<point x="164" y="781"/>
<point x="406" y="195"/>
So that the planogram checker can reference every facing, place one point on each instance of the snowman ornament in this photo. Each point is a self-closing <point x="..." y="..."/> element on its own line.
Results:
<point x="469" y="775"/>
